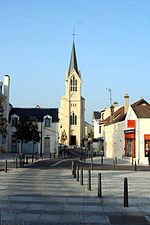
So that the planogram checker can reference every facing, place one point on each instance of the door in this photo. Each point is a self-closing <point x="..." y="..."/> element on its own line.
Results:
<point x="72" y="140"/>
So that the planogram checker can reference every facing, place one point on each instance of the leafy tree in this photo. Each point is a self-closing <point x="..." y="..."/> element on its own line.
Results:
<point x="27" y="131"/>
<point x="3" y="122"/>
<point x="63" y="136"/>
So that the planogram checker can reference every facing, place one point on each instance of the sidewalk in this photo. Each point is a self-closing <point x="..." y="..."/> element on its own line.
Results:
<point x="54" y="197"/>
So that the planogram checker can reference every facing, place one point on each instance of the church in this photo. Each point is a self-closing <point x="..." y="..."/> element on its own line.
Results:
<point x="72" y="106"/>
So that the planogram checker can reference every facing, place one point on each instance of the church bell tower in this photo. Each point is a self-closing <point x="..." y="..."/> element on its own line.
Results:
<point x="72" y="106"/>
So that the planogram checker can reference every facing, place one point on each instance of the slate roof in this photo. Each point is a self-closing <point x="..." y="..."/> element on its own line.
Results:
<point x="35" y="113"/>
<point x="73" y="60"/>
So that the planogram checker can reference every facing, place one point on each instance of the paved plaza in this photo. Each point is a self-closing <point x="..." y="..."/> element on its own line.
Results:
<point x="32" y="196"/>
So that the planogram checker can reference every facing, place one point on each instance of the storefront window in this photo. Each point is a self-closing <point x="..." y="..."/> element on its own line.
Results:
<point x="147" y="147"/>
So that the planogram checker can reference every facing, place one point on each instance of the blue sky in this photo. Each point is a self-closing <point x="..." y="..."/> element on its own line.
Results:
<point x="112" y="45"/>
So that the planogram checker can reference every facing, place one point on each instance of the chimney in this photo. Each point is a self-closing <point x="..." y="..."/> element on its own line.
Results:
<point x="111" y="113"/>
<point x="6" y="93"/>
<point x="126" y="103"/>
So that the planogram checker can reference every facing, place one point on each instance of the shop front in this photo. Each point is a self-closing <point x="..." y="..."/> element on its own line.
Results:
<point x="129" y="143"/>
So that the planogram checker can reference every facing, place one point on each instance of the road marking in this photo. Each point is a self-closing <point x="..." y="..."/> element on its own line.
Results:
<point x="59" y="162"/>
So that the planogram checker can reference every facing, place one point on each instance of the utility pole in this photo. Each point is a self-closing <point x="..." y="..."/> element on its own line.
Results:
<point x="110" y="98"/>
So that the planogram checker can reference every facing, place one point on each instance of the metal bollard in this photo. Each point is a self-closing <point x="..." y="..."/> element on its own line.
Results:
<point x="115" y="160"/>
<point x="72" y="167"/>
<point x="74" y="173"/>
<point x="99" y="186"/>
<point x="27" y="160"/>
<point x="16" y="163"/>
<point x="126" y="192"/>
<point x="114" y="167"/>
<point x="81" y="176"/>
<point x="32" y="158"/>
<point x="89" y="180"/>
<point x="6" y="166"/>
<point x="135" y="167"/>
<point x="132" y="161"/>
<point x="77" y="172"/>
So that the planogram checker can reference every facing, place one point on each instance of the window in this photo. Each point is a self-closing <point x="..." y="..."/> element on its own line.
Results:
<point x="48" y="122"/>
<point x="14" y="121"/>
<point x="73" y="84"/>
<point x="73" y="119"/>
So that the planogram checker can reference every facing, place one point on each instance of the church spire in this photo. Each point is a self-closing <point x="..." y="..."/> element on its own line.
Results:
<point x="73" y="60"/>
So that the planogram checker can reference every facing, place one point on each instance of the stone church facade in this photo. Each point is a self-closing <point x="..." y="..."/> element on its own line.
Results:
<point x="72" y="106"/>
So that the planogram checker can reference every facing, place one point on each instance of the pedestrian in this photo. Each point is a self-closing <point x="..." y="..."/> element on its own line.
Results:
<point x="149" y="157"/>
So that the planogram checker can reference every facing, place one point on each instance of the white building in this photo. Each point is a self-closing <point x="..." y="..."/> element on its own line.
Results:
<point x="5" y="108"/>
<point x="126" y="131"/>
<point x="100" y="116"/>
<point x="47" y="119"/>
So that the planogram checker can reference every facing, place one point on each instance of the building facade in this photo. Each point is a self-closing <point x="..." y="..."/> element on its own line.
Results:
<point x="126" y="131"/>
<point x="47" y="121"/>
<point x="72" y="106"/>
<point x="4" y="111"/>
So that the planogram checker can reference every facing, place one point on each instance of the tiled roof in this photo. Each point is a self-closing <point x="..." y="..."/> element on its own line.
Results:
<point x="142" y="111"/>
<point x="118" y="116"/>
<point x="35" y="113"/>
<point x="140" y="107"/>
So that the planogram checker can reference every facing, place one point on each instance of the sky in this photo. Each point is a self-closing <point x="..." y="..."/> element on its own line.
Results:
<point x="112" y="44"/>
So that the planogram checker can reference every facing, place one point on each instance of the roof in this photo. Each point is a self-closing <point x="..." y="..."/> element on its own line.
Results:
<point x="35" y="113"/>
<point x="118" y="116"/>
<point x="96" y="115"/>
<point x="73" y="60"/>
<point x="142" y="111"/>
<point x="140" y="107"/>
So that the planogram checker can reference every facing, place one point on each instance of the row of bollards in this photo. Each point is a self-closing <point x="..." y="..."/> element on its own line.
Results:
<point x="21" y="162"/>
<point x="76" y="171"/>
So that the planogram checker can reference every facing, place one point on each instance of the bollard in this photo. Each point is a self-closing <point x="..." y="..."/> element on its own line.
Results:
<point x="115" y="160"/>
<point x="126" y="192"/>
<point x="114" y="165"/>
<point x="16" y="162"/>
<point x="81" y="176"/>
<point x="77" y="172"/>
<point x="27" y="160"/>
<point x="32" y="158"/>
<point x="99" y="186"/>
<point x="132" y="161"/>
<point x="74" y="173"/>
<point x="89" y="180"/>
<point x="135" y="167"/>
<point x="6" y="166"/>
<point x="102" y="160"/>
<point x="72" y="167"/>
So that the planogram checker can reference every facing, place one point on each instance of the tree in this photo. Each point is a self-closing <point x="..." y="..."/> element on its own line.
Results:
<point x="3" y="122"/>
<point x="26" y="131"/>
<point x="63" y="136"/>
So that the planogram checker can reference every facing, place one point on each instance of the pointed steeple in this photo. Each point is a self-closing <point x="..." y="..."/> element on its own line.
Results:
<point x="73" y="60"/>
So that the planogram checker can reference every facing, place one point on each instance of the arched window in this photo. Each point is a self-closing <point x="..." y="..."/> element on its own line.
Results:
<point x="73" y="119"/>
<point x="48" y="121"/>
<point x="73" y="84"/>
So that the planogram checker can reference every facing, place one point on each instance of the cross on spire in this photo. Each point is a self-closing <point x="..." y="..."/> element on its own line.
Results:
<point x="73" y="34"/>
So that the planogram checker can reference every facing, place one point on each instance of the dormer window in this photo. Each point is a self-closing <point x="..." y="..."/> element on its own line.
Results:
<point x="48" y="121"/>
<point x="14" y="121"/>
